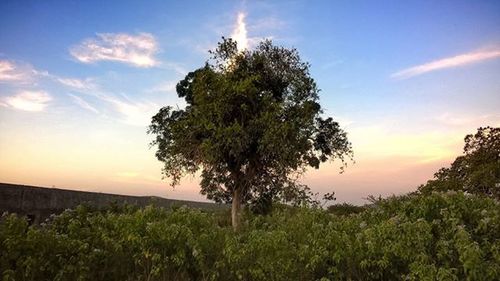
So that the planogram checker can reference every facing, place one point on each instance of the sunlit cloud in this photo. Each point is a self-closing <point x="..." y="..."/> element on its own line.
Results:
<point x="456" y="61"/>
<point x="73" y="83"/>
<point x="11" y="72"/>
<point x="240" y="32"/>
<point x="261" y="29"/>
<point x="137" y="50"/>
<point x="138" y="114"/>
<point x="8" y="72"/>
<point x="80" y="84"/>
<point x="247" y="33"/>
<point x="16" y="73"/>
<point x="124" y="109"/>
<point x="83" y="104"/>
<point x="131" y="112"/>
<point x="28" y="100"/>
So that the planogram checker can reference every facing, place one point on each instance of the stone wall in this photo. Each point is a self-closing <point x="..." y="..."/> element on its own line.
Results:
<point x="39" y="203"/>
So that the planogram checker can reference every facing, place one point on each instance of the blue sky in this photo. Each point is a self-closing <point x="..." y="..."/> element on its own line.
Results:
<point x="79" y="81"/>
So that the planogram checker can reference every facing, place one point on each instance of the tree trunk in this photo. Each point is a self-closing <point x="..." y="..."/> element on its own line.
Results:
<point x="235" y="209"/>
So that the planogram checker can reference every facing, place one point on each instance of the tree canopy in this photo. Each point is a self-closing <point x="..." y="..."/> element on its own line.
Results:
<point x="252" y="125"/>
<point x="477" y="171"/>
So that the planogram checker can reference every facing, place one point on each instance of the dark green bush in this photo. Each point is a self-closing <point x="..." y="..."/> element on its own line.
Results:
<point x="345" y="209"/>
<point x="434" y="237"/>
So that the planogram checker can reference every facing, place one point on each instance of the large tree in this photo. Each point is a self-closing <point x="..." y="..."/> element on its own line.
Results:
<point x="252" y="124"/>
<point x="477" y="171"/>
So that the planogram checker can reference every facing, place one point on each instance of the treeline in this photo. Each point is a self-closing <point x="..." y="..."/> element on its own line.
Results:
<point x="440" y="236"/>
<point x="477" y="171"/>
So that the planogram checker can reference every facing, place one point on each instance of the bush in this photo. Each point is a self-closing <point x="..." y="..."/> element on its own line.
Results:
<point x="449" y="236"/>
<point x="345" y="209"/>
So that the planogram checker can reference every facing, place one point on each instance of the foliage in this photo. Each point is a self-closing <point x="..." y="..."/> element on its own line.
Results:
<point x="477" y="171"/>
<point x="440" y="236"/>
<point x="252" y="124"/>
<point x="345" y="209"/>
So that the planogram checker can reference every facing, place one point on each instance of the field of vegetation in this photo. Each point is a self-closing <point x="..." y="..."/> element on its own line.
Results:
<point x="249" y="121"/>
<point x="253" y="123"/>
<point x="438" y="236"/>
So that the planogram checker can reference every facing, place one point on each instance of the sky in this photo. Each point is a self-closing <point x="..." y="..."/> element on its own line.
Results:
<point x="80" y="80"/>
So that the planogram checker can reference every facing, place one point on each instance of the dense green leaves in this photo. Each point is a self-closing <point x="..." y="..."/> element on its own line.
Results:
<point x="252" y="122"/>
<point x="450" y="236"/>
<point x="477" y="171"/>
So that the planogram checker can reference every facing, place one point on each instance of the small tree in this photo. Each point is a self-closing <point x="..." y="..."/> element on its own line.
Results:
<point x="477" y="171"/>
<point x="252" y="125"/>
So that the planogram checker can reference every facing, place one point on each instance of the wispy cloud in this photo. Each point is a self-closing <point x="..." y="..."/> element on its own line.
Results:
<point x="245" y="30"/>
<point x="79" y="84"/>
<point x="460" y="60"/>
<point x="249" y="34"/>
<point x="123" y="109"/>
<point x="83" y="104"/>
<point x="137" y="50"/>
<point x="28" y="100"/>
<point x="12" y="72"/>
<point x="240" y="32"/>
<point x="135" y="113"/>
<point x="130" y="112"/>
<point x="22" y="73"/>
<point x="73" y="83"/>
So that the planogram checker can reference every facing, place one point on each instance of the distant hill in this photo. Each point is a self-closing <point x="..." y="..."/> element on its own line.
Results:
<point x="40" y="202"/>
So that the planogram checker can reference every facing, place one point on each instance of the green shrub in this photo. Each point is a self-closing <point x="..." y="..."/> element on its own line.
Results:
<point x="449" y="236"/>
<point x="345" y="209"/>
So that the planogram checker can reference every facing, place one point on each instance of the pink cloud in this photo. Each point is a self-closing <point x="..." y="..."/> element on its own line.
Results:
<point x="455" y="61"/>
<point x="137" y="50"/>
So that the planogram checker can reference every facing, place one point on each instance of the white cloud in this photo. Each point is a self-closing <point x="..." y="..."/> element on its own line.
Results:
<point x="247" y="32"/>
<point x="138" y="114"/>
<point x="78" y="84"/>
<point x="125" y="110"/>
<point x="137" y="50"/>
<point x="8" y="72"/>
<point x="240" y="32"/>
<point x="132" y="113"/>
<point x="11" y="72"/>
<point x="261" y="29"/>
<point x="460" y="60"/>
<point x="28" y="100"/>
<point x="83" y="104"/>
<point x="75" y="83"/>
